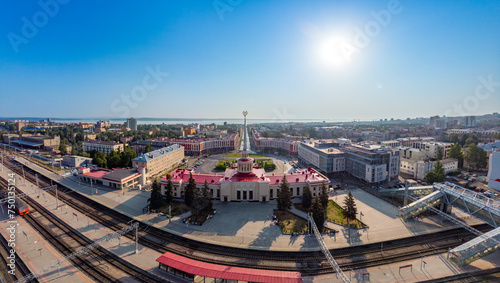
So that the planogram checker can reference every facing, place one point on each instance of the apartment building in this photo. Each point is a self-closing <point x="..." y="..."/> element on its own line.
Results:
<point x="289" y="146"/>
<point x="103" y="146"/>
<point x="368" y="162"/>
<point x="325" y="157"/>
<point x="158" y="161"/>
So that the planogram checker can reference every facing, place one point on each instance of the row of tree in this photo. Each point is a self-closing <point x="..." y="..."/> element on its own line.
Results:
<point x="475" y="156"/>
<point x="115" y="159"/>
<point x="198" y="200"/>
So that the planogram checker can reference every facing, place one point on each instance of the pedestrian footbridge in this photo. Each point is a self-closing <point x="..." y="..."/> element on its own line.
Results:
<point x="412" y="191"/>
<point x="448" y="195"/>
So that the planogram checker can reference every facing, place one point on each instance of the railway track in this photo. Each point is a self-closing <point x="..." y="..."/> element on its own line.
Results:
<point x="99" y="264"/>
<point x="21" y="268"/>
<point x="308" y="262"/>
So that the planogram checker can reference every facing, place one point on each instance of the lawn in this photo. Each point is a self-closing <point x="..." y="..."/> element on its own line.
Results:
<point x="334" y="214"/>
<point x="223" y="164"/>
<point x="239" y="155"/>
<point x="177" y="208"/>
<point x="290" y="223"/>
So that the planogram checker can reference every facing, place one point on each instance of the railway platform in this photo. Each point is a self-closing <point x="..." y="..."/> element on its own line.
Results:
<point x="124" y="247"/>
<point x="34" y="250"/>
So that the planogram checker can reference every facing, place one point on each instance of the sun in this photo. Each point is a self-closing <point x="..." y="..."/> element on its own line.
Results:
<point x="329" y="52"/>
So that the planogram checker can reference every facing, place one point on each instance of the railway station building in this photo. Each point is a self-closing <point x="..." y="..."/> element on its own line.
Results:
<point x="116" y="178"/>
<point x="246" y="182"/>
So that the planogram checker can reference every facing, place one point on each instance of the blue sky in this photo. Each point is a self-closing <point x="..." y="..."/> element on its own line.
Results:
<point x="276" y="59"/>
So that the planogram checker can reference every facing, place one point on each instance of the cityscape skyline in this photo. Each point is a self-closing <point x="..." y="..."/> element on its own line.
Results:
<point x="338" y="61"/>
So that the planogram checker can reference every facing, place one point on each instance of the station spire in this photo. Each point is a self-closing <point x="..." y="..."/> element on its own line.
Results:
<point x="245" y="150"/>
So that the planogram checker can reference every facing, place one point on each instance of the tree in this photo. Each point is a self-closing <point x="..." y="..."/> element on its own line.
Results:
<point x="318" y="214"/>
<point x="463" y="138"/>
<point x="437" y="174"/>
<point x="99" y="159"/>
<point x="148" y="148"/>
<point x="126" y="157"/>
<point x="476" y="157"/>
<point x="169" y="194"/>
<point x="62" y="147"/>
<point x="202" y="203"/>
<point x="190" y="191"/>
<point x="439" y="171"/>
<point x="453" y="138"/>
<point x="439" y="155"/>
<point x="307" y="197"/>
<point x="284" y="195"/>
<point x="350" y="209"/>
<point x="323" y="197"/>
<point x="472" y="139"/>
<point x="456" y="152"/>
<point x="430" y="177"/>
<point x="155" y="200"/>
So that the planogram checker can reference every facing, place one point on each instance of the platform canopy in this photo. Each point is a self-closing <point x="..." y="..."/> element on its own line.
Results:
<point x="227" y="272"/>
<point x="28" y="143"/>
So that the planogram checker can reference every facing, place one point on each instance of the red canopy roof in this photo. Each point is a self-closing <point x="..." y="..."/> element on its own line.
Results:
<point x="227" y="272"/>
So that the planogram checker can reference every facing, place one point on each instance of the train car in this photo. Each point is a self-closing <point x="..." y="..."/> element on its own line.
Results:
<point x="21" y="207"/>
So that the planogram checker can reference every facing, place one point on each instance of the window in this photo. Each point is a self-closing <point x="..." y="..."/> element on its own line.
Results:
<point x="238" y="195"/>
<point x="271" y="193"/>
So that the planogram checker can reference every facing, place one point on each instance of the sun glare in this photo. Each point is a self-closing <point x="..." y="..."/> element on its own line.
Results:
<point x="330" y="54"/>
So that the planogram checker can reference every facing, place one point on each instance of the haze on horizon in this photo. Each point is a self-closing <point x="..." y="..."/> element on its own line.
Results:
<point x="339" y="60"/>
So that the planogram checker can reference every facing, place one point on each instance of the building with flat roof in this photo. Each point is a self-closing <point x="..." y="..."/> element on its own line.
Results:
<point x="371" y="163"/>
<point x="287" y="146"/>
<point x="368" y="162"/>
<point x="76" y="161"/>
<point x="196" y="147"/>
<point x="326" y="157"/>
<point x="117" y="178"/>
<point x="103" y="146"/>
<point x="33" y="141"/>
<point x="418" y="169"/>
<point x="131" y="124"/>
<point x="159" y="161"/>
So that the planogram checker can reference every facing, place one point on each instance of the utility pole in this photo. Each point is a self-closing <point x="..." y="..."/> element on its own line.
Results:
<point x="24" y="183"/>
<point x="57" y="201"/>
<point x="169" y="214"/>
<point x="136" y="238"/>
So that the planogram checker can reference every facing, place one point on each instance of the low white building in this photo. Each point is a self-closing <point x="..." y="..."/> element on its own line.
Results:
<point x="418" y="169"/>
<point x="103" y="146"/>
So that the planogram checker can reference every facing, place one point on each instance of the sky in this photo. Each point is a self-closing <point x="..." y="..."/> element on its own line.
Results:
<point x="333" y="60"/>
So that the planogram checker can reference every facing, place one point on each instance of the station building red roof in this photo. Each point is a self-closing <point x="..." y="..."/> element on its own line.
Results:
<point x="227" y="272"/>
<point x="257" y="175"/>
